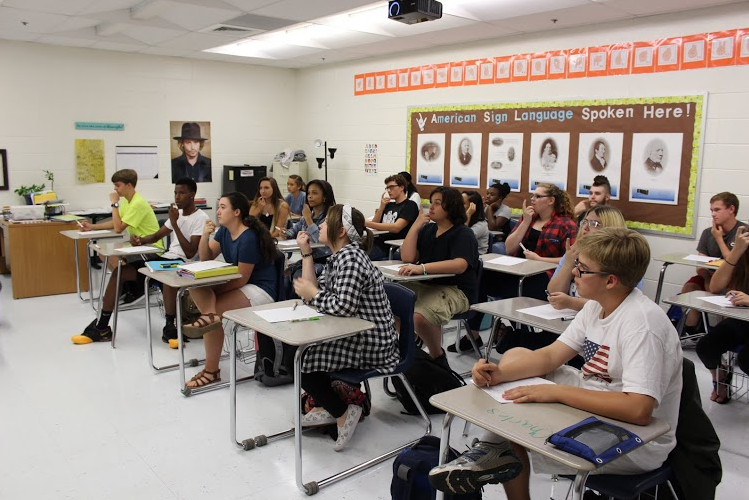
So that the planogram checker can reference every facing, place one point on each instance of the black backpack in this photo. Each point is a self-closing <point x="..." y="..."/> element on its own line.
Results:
<point x="411" y="472"/>
<point x="274" y="361"/>
<point x="427" y="379"/>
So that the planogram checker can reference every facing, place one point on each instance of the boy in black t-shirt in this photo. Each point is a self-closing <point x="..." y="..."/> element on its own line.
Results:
<point x="396" y="214"/>
<point x="447" y="246"/>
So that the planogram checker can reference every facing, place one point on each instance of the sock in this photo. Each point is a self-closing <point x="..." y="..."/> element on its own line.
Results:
<point x="104" y="320"/>
<point x="171" y="319"/>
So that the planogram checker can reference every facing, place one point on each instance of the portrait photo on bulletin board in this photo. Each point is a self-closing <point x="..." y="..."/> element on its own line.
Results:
<point x="4" y="171"/>
<point x="191" y="150"/>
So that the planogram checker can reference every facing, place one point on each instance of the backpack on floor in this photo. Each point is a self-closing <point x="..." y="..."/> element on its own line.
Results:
<point x="274" y="361"/>
<point x="427" y="379"/>
<point x="411" y="472"/>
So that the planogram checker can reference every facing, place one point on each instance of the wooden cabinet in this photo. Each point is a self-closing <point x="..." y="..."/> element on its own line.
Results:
<point x="40" y="259"/>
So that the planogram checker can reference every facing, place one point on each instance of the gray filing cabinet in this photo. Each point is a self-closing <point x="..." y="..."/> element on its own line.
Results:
<point x="281" y="173"/>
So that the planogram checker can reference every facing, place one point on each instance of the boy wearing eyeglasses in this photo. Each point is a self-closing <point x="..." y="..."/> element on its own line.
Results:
<point x="632" y="371"/>
<point x="395" y="215"/>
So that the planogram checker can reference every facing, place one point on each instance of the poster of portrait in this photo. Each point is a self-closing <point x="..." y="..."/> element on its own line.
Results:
<point x="504" y="160"/>
<point x="191" y="151"/>
<point x="599" y="154"/>
<point x="549" y="157"/>
<point x="430" y="159"/>
<point x="655" y="168"/>
<point x="465" y="160"/>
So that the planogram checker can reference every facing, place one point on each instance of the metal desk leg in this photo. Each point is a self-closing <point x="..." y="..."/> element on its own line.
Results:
<point x="116" y="299"/>
<point x="660" y="282"/>
<point x="104" y="273"/>
<point x="444" y="445"/>
<point x="578" y="487"/>
<point x="78" y="272"/>
<point x="91" y="276"/>
<point x="149" y="334"/>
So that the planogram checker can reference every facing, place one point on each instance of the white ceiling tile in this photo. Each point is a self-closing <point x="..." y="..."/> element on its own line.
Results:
<point x="393" y="45"/>
<point x="168" y="51"/>
<point x="249" y="5"/>
<point x="196" y="41"/>
<point x="469" y="33"/>
<point x="66" y="41"/>
<point x="650" y="7"/>
<point x="38" y="22"/>
<point x="194" y="17"/>
<point x="20" y="36"/>
<point x="151" y="36"/>
<point x="303" y="10"/>
<point x="75" y="23"/>
<point x="576" y="16"/>
<point x="66" y="7"/>
<point x="505" y="9"/>
<point x="97" y="6"/>
<point x="118" y="46"/>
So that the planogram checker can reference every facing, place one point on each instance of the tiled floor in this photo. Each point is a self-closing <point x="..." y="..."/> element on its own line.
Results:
<point x="90" y="422"/>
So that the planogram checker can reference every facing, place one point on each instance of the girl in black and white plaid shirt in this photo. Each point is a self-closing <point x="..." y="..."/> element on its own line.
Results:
<point x="349" y="286"/>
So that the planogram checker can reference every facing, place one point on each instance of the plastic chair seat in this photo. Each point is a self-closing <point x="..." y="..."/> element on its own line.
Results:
<point x="630" y="486"/>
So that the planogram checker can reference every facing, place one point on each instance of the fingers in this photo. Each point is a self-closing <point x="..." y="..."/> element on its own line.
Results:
<point x="567" y="244"/>
<point x="740" y="230"/>
<point x="524" y="205"/>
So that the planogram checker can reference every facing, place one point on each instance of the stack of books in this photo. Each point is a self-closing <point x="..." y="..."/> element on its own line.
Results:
<point x="207" y="269"/>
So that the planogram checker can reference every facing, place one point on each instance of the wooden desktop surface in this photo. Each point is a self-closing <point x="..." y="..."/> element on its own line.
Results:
<point x="41" y="260"/>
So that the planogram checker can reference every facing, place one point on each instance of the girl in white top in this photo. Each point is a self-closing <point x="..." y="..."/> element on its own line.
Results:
<point x="411" y="192"/>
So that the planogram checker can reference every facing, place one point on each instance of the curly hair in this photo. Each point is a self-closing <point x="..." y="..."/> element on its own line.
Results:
<point x="562" y="200"/>
<point x="452" y="203"/>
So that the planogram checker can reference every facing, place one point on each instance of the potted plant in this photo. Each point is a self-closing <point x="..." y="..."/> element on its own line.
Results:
<point x="26" y="191"/>
<point x="50" y="176"/>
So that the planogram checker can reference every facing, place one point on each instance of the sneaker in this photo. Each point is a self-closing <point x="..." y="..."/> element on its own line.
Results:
<point x="317" y="418"/>
<point x="465" y="344"/>
<point x="93" y="334"/>
<point x="485" y="463"/>
<point x="170" y="333"/>
<point x="353" y="414"/>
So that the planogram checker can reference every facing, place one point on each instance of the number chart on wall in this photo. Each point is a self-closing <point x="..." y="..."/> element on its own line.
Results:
<point x="649" y="149"/>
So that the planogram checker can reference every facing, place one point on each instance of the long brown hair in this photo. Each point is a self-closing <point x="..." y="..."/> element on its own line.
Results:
<point x="740" y="276"/>
<point x="334" y="221"/>
<point x="562" y="200"/>
<point x="276" y="200"/>
<point x="239" y="201"/>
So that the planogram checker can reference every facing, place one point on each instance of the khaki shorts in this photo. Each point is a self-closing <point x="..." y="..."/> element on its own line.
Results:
<point x="438" y="303"/>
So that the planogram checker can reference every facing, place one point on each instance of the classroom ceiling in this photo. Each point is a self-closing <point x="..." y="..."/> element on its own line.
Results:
<point x="299" y="33"/>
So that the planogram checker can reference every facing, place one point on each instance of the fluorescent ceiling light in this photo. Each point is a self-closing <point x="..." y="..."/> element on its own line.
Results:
<point x="109" y="29"/>
<point x="245" y="48"/>
<point x="306" y="35"/>
<point x="149" y="9"/>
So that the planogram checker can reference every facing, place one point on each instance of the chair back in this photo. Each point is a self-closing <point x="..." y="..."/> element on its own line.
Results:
<point x="280" y="263"/>
<point x="402" y="302"/>
<point x="475" y="297"/>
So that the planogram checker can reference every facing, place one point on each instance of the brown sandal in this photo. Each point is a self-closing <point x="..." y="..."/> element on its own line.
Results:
<point x="204" y="324"/>
<point x="202" y="378"/>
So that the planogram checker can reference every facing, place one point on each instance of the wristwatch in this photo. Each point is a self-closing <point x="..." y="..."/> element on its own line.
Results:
<point x="116" y="204"/>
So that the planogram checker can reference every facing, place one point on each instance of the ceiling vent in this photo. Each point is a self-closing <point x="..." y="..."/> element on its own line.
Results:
<point x="228" y="29"/>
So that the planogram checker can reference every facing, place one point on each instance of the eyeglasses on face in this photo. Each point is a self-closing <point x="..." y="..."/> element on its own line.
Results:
<point x="391" y="186"/>
<point x="592" y="223"/>
<point x="581" y="273"/>
<point x="535" y="196"/>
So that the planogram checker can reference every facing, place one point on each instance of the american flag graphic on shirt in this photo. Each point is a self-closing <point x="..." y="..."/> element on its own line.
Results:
<point x="596" y="360"/>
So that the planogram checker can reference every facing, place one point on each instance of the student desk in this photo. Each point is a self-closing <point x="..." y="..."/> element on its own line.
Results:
<point x="522" y="270"/>
<point x="108" y="250"/>
<point x="394" y="276"/>
<point x="508" y="309"/>
<point x="299" y="334"/>
<point x="182" y="284"/>
<point x="41" y="258"/>
<point x="675" y="258"/>
<point x="528" y="424"/>
<point x="691" y="301"/>
<point x="377" y="232"/>
<point x="394" y="244"/>
<point x="77" y="235"/>
<point x="292" y="246"/>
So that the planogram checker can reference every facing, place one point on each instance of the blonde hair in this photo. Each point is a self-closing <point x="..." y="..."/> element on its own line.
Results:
<point x="619" y="251"/>
<point x="562" y="200"/>
<point x="610" y="217"/>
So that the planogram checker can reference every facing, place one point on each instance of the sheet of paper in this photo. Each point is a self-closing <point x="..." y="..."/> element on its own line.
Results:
<point x="287" y="244"/>
<point x="547" y="311"/>
<point x="203" y="266"/>
<point x="98" y="231"/>
<point x="496" y="391"/>
<point x="301" y="313"/>
<point x="138" y="249"/>
<point x="392" y="267"/>
<point x="718" y="300"/>
<point x="506" y="260"/>
<point x="700" y="258"/>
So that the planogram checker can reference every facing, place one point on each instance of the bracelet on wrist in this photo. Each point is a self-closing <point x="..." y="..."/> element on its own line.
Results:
<point x="424" y="269"/>
<point x="305" y="255"/>
<point x="729" y="263"/>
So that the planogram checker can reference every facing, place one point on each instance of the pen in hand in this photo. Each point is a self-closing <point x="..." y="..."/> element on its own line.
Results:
<point x="293" y="308"/>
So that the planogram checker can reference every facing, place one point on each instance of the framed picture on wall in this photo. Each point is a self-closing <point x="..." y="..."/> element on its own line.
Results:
<point x="4" y="184"/>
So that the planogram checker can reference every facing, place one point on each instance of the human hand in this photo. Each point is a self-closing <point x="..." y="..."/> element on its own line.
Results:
<point x="209" y="227"/>
<point x="738" y="298"/>
<point x="471" y="209"/>
<point x="114" y="197"/>
<point x="306" y="211"/>
<point x="531" y="255"/>
<point x="85" y="225"/>
<point x="542" y="393"/>
<point x="717" y="231"/>
<point x="528" y="212"/>
<point x="559" y="300"/>
<point x="261" y="202"/>
<point x="173" y="214"/>
<point x="741" y="242"/>
<point x="385" y="199"/>
<point x="135" y="240"/>
<point x="410" y="269"/>
<point x="571" y="252"/>
<point x="302" y="239"/>
<point x="305" y="288"/>
<point x="484" y="373"/>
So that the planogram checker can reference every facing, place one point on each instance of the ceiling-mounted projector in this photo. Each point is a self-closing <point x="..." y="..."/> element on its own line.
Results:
<point x="414" y="11"/>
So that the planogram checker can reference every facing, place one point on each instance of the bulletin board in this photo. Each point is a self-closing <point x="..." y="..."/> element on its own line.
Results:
<point x="649" y="149"/>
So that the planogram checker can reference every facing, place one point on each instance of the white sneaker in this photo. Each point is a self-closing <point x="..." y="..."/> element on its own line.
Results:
<point x="353" y="414"/>
<point x="317" y="418"/>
